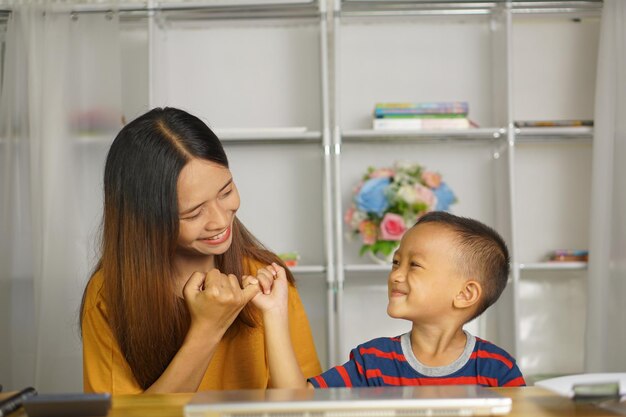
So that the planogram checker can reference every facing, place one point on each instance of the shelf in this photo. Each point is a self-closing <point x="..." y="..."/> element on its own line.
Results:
<point x="553" y="266"/>
<point x="367" y="268"/>
<point x="366" y="8"/>
<point x="95" y="138"/>
<point x="207" y="10"/>
<point x="403" y="8"/>
<point x="553" y="134"/>
<point x="533" y="266"/>
<point x="307" y="269"/>
<point x="242" y="136"/>
<point x="426" y="136"/>
<point x="592" y="7"/>
<point x="268" y="136"/>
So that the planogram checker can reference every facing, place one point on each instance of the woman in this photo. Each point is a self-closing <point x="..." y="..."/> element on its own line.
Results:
<point x="165" y="310"/>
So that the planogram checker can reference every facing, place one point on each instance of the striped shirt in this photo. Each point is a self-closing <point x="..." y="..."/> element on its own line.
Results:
<point x="390" y="361"/>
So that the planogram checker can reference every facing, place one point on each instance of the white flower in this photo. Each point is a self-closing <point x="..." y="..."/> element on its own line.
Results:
<point x="407" y="193"/>
<point x="357" y="217"/>
<point x="404" y="166"/>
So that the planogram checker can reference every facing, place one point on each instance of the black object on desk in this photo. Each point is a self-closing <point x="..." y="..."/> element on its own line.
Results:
<point x="68" y="405"/>
<point x="9" y="405"/>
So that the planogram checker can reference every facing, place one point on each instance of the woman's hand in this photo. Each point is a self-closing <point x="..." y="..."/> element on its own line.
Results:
<point x="274" y="286"/>
<point x="214" y="299"/>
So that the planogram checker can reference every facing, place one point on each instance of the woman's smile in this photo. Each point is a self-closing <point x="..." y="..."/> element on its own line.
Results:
<point x="217" y="239"/>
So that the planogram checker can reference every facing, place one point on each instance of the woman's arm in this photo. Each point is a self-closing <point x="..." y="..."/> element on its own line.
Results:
<point x="214" y="300"/>
<point x="184" y="373"/>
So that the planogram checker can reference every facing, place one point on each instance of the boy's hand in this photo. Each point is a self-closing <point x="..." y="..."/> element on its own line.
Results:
<point x="273" y="297"/>
<point x="283" y="365"/>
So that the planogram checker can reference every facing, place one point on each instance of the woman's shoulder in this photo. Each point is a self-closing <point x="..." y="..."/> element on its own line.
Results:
<point x="252" y="265"/>
<point x="94" y="293"/>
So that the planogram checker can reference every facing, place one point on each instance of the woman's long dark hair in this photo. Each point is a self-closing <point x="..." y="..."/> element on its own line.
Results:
<point x="140" y="231"/>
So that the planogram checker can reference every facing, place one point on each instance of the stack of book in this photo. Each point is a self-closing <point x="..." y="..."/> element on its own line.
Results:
<point x="421" y="116"/>
<point x="554" y="123"/>
<point x="569" y="255"/>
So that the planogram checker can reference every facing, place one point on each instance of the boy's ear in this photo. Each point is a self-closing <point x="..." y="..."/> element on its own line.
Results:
<point x="468" y="295"/>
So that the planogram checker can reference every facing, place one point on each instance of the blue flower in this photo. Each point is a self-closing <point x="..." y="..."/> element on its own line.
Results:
<point x="445" y="197"/>
<point x="371" y="197"/>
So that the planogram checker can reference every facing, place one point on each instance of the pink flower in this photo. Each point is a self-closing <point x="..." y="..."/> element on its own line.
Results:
<point x="392" y="227"/>
<point x="348" y="216"/>
<point x="383" y="173"/>
<point x="431" y="179"/>
<point x="367" y="229"/>
<point x="426" y="195"/>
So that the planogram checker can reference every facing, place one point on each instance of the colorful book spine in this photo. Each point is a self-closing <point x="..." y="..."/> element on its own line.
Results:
<point x="420" y="115"/>
<point x="553" y="123"/>
<point x="442" y="107"/>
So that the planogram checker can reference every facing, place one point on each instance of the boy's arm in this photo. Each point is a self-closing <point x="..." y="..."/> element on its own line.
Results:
<point x="284" y="369"/>
<point x="512" y="378"/>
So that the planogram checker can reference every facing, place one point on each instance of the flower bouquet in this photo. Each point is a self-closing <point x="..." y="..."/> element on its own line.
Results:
<point x="388" y="201"/>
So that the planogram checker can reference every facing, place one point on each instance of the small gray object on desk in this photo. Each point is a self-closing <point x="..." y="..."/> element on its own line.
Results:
<point x="68" y="405"/>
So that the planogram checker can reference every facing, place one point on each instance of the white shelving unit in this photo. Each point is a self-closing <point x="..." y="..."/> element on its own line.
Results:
<point x="290" y="88"/>
<point x="511" y="61"/>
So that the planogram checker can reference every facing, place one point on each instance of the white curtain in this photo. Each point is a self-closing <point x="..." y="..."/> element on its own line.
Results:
<point x="59" y="111"/>
<point x="606" y="320"/>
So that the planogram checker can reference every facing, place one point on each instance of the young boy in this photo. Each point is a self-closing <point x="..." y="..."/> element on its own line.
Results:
<point x="447" y="271"/>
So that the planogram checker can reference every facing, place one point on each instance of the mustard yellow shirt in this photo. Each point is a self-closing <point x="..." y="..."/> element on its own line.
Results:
<point x="239" y="361"/>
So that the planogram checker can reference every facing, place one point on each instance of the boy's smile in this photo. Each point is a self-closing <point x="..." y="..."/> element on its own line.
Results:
<point x="424" y="278"/>
<point x="396" y="292"/>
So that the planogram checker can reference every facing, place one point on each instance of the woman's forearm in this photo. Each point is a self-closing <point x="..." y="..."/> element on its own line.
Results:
<point x="187" y="368"/>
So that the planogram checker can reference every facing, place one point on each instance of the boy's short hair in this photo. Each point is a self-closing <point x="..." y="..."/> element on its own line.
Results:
<point x="482" y="254"/>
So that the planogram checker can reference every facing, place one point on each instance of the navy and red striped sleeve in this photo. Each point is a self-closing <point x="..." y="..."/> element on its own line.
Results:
<point x="496" y="365"/>
<point x="350" y="374"/>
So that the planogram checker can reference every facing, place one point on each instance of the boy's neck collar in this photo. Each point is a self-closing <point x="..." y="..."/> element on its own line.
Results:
<point x="453" y="366"/>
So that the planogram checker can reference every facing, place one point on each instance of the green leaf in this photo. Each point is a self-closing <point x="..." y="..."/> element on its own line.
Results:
<point x="385" y="247"/>
<point x="419" y="207"/>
